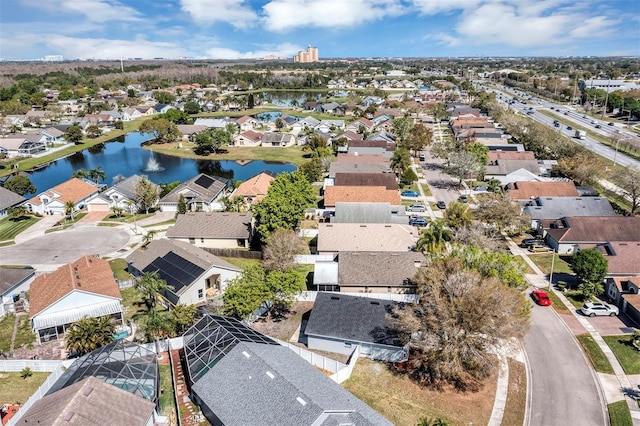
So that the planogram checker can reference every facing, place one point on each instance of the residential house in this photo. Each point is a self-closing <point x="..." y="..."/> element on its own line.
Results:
<point x="9" y="199"/>
<point x="213" y="230"/>
<point x="551" y="208"/>
<point x="248" y="138"/>
<point x="211" y="123"/>
<point x="368" y="158"/>
<point x="307" y="123"/>
<point x="330" y="126"/>
<point x="14" y="284"/>
<point x="360" y="194"/>
<point x="361" y="125"/>
<point x="338" y="323"/>
<point x="334" y="238"/>
<point x="381" y="146"/>
<point x="131" y="113"/>
<point x="571" y="233"/>
<point x="38" y="117"/>
<point x="358" y="167"/>
<point x="247" y="122"/>
<point x="253" y="190"/>
<point x="526" y="190"/>
<point x="162" y="108"/>
<point x="278" y="139"/>
<point x="21" y="147"/>
<point x="90" y="401"/>
<point x="369" y="213"/>
<point x="193" y="273"/>
<point x="190" y="131"/>
<point x="83" y="288"/>
<point x="53" y="201"/>
<point x="121" y="195"/>
<point x="503" y="167"/>
<point x="264" y="382"/>
<point x="201" y="193"/>
<point x="370" y="272"/>
<point x="623" y="292"/>
<point x="330" y="108"/>
<point x="100" y="120"/>
<point x="52" y="135"/>
<point x="388" y="180"/>
<point x="350" y="136"/>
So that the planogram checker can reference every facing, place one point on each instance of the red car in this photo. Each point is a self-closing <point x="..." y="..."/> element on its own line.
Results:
<point x="541" y="297"/>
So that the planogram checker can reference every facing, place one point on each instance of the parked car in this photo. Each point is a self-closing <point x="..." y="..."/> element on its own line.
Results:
<point x="591" y="309"/>
<point x="422" y="157"/>
<point x="416" y="208"/>
<point x="409" y="194"/>
<point x="441" y="204"/>
<point x="541" y="297"/>
<point x="539" y="248"/>
<point x="463" y="199"/>
<point x="418" y="221"/>
<point x="569" y="128"/>
<point x="531" y="241"/>
<point x="610" y="123"/>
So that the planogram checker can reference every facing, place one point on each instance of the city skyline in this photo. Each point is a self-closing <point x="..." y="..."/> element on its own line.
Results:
<point x="254" y="29"/>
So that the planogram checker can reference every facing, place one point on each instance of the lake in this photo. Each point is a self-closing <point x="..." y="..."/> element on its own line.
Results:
<point x="126" y="157"/>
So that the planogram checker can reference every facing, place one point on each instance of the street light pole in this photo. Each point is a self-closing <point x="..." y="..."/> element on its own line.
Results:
<point x="553" y="259"/>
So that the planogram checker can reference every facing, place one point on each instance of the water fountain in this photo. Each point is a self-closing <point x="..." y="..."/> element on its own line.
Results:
<point x="153" y="165"/>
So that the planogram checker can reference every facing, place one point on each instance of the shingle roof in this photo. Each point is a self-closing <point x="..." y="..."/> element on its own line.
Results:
<point x="271" y="385"/>
<point x="367" y="179"/>
<point x="504" y="167"/>
<point x="378" y="268"/>
<point x="359" y="167"/>
<point x="203" y="188"/>
<point x="597" y="229"/>
<point x="511" y="155"/>
<point x="369" y="213"/>
<point x="363" y="158"/>
<point x="225" y="225"/>
<point x="89" y="402"/>
<point x="9" y="198"/>
<point x="255" y="187"/>
<point x="557" y="207"/>
<point x="354" y="318"/>
<point x="524" y="190"/>
<point x="72" y="190"/>
<point x="624" y="258"/>
<point x="11" y="276"/>
<point x="338" y="237"/>
<point x="355" y="194"/>
<point x="89" y="274"/>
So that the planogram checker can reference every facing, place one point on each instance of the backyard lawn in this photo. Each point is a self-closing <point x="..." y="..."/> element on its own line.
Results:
<point x="167" y="397"/>
<point x="24" y="335"/>
<point x="628" y="356"/>
<point x="560" y="264"/>
<point x="9" y="228"/>
<point x="119" y="268"/>
<point x="14" y="388"/>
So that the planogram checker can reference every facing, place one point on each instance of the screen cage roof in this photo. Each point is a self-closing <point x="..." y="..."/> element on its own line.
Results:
<point x="124" y="364"/>
<point x="211" y="338"/>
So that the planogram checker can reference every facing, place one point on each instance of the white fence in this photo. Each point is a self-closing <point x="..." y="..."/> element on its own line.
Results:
<point x="311" y="259"/>
<point x="310" y="296"/>
<point x="36" y="366"/>
<point x="344" y="373"/>
<point x="307" y="233"/>
<point x="40" y="392"/>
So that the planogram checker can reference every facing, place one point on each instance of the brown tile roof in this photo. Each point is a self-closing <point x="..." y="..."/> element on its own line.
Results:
<point x="524" y="190"/>
<point x="596" y="229"/>
<point x="256" y="187"/>
<point x="364" y="121"/>
<point x="368" y="143"/>
<point x="626" y="259"/>
<point x="351" y="135"/>
<point x="378" y="268"/>
<point x="88" y="273"/>
<point x="339" y="237"/>
<point x="244" y="119"/>
<point x="362" y="158"/>
<point x="252" y="135"/>
<point x="360" y="194"/>
<point x="387" y="180"/>
<point x="511" y="155"/>
<point x="72" y="190"/>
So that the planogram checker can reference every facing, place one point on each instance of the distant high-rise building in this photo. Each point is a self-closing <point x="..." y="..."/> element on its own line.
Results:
<point x="310" y="55"/>
<point x="53" y="58"/>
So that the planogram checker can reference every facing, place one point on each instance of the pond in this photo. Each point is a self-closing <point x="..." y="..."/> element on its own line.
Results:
<point x="125" y="157"/>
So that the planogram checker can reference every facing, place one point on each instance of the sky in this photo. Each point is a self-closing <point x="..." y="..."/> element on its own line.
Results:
<point x="247" y="29"/>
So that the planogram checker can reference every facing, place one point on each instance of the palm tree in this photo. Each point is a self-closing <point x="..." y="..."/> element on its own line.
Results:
<point x="148" y="237"/>
<point x="81" y="174"/>
<point x="434" y="238"/>
<point x="89" y="334"/>
<point x="69" y="208"/>
<point x="131" y="206"/>
<point x="149" y="288"/>
<point x="97" y="174"/>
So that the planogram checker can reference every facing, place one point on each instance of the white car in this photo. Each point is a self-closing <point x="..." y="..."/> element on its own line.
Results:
<point x="591" y="309"/>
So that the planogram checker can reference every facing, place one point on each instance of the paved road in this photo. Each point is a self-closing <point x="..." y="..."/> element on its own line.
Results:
<point x="65" y="246"/>
<point x="563" y="385"/>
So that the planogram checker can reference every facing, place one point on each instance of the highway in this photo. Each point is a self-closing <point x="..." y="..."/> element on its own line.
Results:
<point x="536" y="105"/>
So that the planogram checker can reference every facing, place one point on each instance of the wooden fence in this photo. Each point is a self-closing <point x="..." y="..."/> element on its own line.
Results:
<point x="227" y="252"/>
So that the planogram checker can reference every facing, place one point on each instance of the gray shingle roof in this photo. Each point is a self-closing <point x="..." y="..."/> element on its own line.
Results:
<point x="387" y="180"/>
<point x="336" y="167"/>
<point x="557" y="207"/>
<point x="9" y="198"/>
<point x="378" y="268"/>
<point x="225" y="225"/>
<point x="203" y="188"/>
<point x="9" y="277"/>
<point x="369" y="213"/>
<point x="353" y="318"/>
<point x="338" y="237"/>
<point x="271" y="385"/>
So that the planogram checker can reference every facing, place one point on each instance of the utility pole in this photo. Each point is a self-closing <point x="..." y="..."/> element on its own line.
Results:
<point x="606" y="98"/>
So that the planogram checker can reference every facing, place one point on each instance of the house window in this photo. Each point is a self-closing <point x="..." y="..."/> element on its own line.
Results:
<point x="241" y="242"/>
<point x="202" y="240"/>
<point x="200" y="293"/>
<point x="347" y="344"/>
<point x="192" y="240"/>
<point x="388" y="289"/>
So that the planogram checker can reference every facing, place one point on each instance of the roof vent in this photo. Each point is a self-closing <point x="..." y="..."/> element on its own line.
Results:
<point x="374" y="302"/>
<point x="68" y="415"/>
<point x="270" y="374"/>
<point x="87" y="391"/>
<point x="301" y="401"/>
<point x="246" y="354"/>
<point x="335" y="298"/>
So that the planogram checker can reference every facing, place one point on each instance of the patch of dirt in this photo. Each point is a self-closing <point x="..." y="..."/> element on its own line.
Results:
<point x="517" y="394"/>
<point x="282" y="325"/>
<point x="51" y="350"/>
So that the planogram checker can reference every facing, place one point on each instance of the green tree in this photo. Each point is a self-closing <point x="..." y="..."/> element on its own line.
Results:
<point x="164" y="97"/>
<point x="73" y="134"/>
<point x="184" y="316"/>
<point x="245" y="293"/>
<point x="289" y="195"/>
<point x="312" y="169"/>
<point x="80" y="174"/>
<point x="97" y="174"/>
<point x="149" y="287"/>
<point x="177" y="117"/>
<point x="493" y="264"/>
<point x="629" y="180"/>
<point x="424" y="421"/>
<point x="279" y="124"/>
<point x="481" y="151"/>
<point x="182" y="205"/>
<point x="20" y="184"/>
<point x="211" y="140"/>
<point x="89" y="334"/>
<point x="157" y="324"/>
<point x="454" y="327"/>
<point x="458" y="215"/>
<point x="70" y="208"/>
<point x="401" y="128"/>
<point x="418" y="138"/>
<point x="464" y="165"/>
<point x="434" y="237"/>
<point x="590" y="267"/>
<point x="191" y="107"/>
<point x="284" y="286"/>
<point x="401" y="160"/>
<point x="505" y="214"/>
<point x="409" y="176"/>
<point x="119" y="125"/>
<point x="93" y="131"/>
<point x="147" y="194"/>
<point x="26" y="373"/>
<point x="162" y="130"/>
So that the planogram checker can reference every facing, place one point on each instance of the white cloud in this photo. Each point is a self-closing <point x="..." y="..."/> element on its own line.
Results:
<point x="433" y="7"/>
<point x="599" y="26"/>
<point x="284" y="50"/>
<point x="92" y="10"/>
<point x="286" y="15"/>
<point x="233" y="12"/>
<point x="102" y="48"/>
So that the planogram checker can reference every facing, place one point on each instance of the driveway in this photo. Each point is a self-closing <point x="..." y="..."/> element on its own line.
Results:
<point x="62" y="247"/>
<point x="564" y="388"/>
<point x="608" y="326"/>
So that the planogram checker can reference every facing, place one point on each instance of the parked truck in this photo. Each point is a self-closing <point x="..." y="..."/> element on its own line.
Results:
<point x="581" y="134"/>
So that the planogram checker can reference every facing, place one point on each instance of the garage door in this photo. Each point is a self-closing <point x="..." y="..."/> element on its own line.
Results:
<point x="98" y="207"/>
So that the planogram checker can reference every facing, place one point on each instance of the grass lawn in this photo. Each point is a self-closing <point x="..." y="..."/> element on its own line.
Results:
<point x="628" y="356"/>
<point x="167" y="396"/>
<point x="24" y="336"/>
<point x="560" y="264"/>
<point x="619" y="414"/>
<point x="557" y="303"/>
<point x="403" y="402"/>
<point x="241" y="262"/>
<point x="14" y="388"/>
<point x="516" y="395"/>
<point x="119" y="268"/>
<point x="126" y="218"/>
<point x="6" y="330"/>
<point x="9" y="228"/>
<point x="595" y="354"/>
<point x="129" y="299"/>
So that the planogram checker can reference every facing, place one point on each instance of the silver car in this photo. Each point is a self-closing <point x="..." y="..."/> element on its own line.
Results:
<point x="416" y="208"/>
<point x="591" y="309"/>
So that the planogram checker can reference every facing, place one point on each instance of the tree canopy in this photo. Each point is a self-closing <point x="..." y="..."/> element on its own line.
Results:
<point x="162" y="130"/>
<point x="89" y="334"/>
<point x="20" y="184"/>
<point x="590" y="267"/>
<point x="211" y="140"/>
<point x="147" y="194"/>
<point x="281" y="247"/>
<point x="73" y="134"/>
